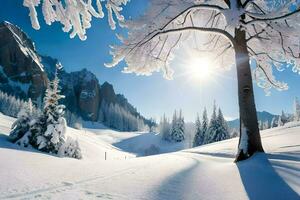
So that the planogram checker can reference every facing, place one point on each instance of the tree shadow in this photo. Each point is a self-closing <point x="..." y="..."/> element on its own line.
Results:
<point x="261" y="181"/>
<point x="217" y="154"/>
<point x="175" y="186"/>
<point x="293" y="156"/>
<point x="5" y="143"/>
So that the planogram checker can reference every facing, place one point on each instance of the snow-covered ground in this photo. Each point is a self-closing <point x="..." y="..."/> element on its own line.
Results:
<point x="207" y="172"/>
<point x="138" y="143"/>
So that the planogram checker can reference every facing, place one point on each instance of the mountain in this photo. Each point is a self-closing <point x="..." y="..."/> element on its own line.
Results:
<point x="25" y="74"/>
<point x="261" y="116"/>
<point x="22" y="73"/>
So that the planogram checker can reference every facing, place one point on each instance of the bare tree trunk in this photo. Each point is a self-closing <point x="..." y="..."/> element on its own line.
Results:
<point x="249" y="141"/>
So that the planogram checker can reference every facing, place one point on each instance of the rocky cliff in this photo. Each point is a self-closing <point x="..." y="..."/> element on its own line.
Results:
<point x="25" y="73"/>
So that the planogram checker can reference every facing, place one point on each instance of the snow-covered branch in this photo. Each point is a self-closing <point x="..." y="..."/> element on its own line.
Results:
<point x="75" y="15"/>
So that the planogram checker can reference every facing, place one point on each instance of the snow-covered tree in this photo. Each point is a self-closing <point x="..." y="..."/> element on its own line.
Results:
<point x="284" y="118"/>
<point x="296" y="109"/>
<point x="218" y="129"/>
<point x="205" y="123"/>
<point x="228" y="32"/>
<point x="22" y="125"/>
<point x="53" y="124"/>
<point x="223" y="127"/>
<point x="274" y="122"/>
<point x="177" y="130"/>
<point x="199" y="136"/>
<point x="280" y="122"/>
<point x="266" y="125"/>
<point x="70" y="148"/>
<point x="75" y="15"/>
<point x="165" y="128"/>
<point x="212" y="127"/>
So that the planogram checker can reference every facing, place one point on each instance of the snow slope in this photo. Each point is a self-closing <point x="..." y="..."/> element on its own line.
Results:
<point x="138" y="143"/>
<point x="206" y="172"/>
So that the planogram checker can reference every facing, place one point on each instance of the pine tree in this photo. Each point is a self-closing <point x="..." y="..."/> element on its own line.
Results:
<point x="177" y="131"/>
<point x="284" y="118"/>
<point x="213" y="124"/>
<point x="205" y="124"/>
<point x="273" y="122"/>
<point x="222" y="131"/>
<point x="164" y="128"/>
<point x="22" y="125"/>
<point x="280" y="122"/>
<point x="199" y="136"/>
<point x="51" y="134"/>
<point x="218" y="128"/>
<point x="296" y="109"/>
<point x="266" y="125"/>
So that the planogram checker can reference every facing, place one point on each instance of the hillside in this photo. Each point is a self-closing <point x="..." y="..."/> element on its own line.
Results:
<point x="207" y="172"/>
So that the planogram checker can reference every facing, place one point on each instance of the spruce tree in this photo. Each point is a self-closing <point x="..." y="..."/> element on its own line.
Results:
<point x="296" y="109"/>
<point x="218" y="128"/>
<point x="22" y="125"/>
<point x="204" y="125"/>
<point x="177" y="131"/>
<point x="213" y="125"/>
<point x="51" y="134"/>
<point x="222" y="132"/>
<point x="199" y="136"/>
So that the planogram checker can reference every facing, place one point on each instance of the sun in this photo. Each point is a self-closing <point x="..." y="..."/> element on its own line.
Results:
<point x="201" y="68"/>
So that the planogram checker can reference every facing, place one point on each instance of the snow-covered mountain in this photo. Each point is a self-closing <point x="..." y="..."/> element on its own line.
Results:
<point x="25" y="73"/>
<point x="261" y="116"/>
<point x="108" y="172"/>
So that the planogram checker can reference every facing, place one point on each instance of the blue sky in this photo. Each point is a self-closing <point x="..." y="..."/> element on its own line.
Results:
<point x="152" y="95"/>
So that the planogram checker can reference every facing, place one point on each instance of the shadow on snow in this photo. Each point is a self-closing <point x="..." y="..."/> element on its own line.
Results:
<point x="261" y="181"/>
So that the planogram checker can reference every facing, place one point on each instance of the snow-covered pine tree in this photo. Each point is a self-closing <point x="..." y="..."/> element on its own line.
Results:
<point x="213" y="125"/>
<point x="205" y="124"/>
<point x="284" y="118"/>
<point x="296" y="109"/>
<point x="273" y="122"/>
<point x="222" y="131"/>
<point x="181" y="127"/>
<point x="266" y="125"/>
<point x="218" y="128"/>
<point x="280" y="122"/>
<point x="22" y="125"/>
<point x="70" y="148"/>
<point x="177" y="130"/>
<point x="164" y="128"/>
<point x="51" y="134"/>
<point x="199" y="136"/>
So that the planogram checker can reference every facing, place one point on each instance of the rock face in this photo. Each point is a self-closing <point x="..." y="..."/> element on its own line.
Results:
<point x="21" y="70"/>
<point x="82" y="91"/>
<point x="25" y="74"/>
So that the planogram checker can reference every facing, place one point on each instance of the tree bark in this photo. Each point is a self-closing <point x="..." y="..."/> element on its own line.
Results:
<point x="249" y="141"/>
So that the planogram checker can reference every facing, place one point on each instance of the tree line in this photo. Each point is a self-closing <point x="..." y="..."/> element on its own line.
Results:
<point x="206" y="131"/>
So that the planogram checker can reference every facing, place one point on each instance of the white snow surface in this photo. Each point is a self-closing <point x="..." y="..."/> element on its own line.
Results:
<point x="206" y="172"/>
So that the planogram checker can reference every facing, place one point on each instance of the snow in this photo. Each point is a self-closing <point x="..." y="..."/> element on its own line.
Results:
<point x="205" y="172"/>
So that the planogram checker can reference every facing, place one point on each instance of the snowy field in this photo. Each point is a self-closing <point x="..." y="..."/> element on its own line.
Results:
<point x="206" y="172"/>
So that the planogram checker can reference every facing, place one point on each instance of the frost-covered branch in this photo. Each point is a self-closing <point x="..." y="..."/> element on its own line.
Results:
<point x="75" y="15"/>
